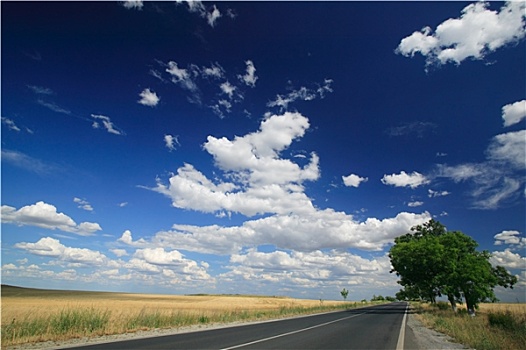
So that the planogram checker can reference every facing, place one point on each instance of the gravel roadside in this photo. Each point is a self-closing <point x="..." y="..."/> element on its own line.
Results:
<point x="427" y="339"/>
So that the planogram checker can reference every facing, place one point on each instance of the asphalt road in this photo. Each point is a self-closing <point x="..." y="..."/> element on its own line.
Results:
<point x="375" y="327"/>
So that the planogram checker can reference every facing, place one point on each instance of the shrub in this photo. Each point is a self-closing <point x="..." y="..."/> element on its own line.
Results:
<point x="507" y="321"/>
<point x="442" y="305"/>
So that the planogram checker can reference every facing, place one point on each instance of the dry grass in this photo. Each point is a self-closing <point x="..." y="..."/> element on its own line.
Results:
<point x="496" y="326"/>
<point x="30" y="315"/>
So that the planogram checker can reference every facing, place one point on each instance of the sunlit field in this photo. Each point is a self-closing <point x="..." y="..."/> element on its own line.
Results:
<point x="496" y="326"/>
<point x="30" y="315"/>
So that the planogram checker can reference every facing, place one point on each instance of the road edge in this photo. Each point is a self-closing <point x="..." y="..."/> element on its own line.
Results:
<point x="401" y="335"/>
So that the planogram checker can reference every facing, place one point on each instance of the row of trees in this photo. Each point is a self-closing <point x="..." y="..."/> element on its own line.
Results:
<point x="432" y="262"/>
<point x="345" y="292"/>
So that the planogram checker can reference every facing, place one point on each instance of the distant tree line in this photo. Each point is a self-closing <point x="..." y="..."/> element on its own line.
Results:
<point x="381" y="298"/>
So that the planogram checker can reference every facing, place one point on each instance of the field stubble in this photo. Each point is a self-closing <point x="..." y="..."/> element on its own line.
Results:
<point x="35" y="316"/>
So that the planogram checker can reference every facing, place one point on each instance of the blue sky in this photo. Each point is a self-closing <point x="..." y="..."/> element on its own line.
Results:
<point x="266" y="148"/>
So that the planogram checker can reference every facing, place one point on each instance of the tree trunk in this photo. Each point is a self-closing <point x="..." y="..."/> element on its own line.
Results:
<point x="471" y="307"/>
<point x="453" y="302"/>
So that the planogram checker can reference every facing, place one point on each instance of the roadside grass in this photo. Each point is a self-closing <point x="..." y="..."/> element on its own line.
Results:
<point x="495" y="327"/>
<point x="78" y="322"/>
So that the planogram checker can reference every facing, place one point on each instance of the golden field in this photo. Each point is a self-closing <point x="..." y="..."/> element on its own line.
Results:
<point x="32" y="315"/>
<point x="514" y="308"/>
<point x="19" y="302"/>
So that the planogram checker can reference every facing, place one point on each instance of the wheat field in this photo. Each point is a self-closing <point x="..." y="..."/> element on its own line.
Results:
<point x="19" y="303"/>
<point x="30" y="315"/>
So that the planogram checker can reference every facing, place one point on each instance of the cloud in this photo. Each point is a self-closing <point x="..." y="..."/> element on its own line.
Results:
<point x="196" y="80"/>
<point x="211" y="15"/>
<point x="492" y="185"/>
<point x="228" y="89"/>
<point x="170" y="266"/>
<point x="415" y="204"/>
<point x="508" y="259"/>
<point x="500" y="177"/>
<point x="127" y="239"/>
<point x="46" y="216"/>
<point x="171" y="142"/>
<point x="29" y="163"/>
<point x="510" y="237"/>
<point x="509" y="148"/>
<point x="298" y="232"/>
<point x="250" y="77"/>
<point x="265" y="183"/>
<point x="10" y="124"/>
<point x="181" y="76"/>
<point x="107" y="123"/>
<point x="353" y="180"/>
<point x="83" y="204"/>
<point x="514" y="113"/>
<point x="306" y="270"/>
<point x="51" y="247"/>
<point x="148" y="98"/>
<point x="302" y="94"/>
<point x="478" y="32"/>
<point x="403" y="179"/>
<point x="258" y="180"/>
<point x="215" y="71"/>
<point x="460" y="172"/>
<point x="133" y="4"/>
<point x="40" y="90"/>
<point x="433" y="194"/>
<point x="419" y="129"/>
<point x="54" y="107"/>
<point x="119" y="252"/>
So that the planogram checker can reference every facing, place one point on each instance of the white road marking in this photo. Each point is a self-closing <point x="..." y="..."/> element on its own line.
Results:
<point x="401" y="335"/>
<point x="289" y="333"/>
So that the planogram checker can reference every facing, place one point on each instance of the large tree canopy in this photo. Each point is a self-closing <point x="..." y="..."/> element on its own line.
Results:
<point x="432" y="262"/>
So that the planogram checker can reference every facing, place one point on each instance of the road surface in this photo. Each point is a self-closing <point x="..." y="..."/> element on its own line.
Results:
<point x="375" y="327"/>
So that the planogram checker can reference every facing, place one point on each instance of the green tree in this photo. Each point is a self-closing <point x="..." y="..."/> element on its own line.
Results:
<point x="344" y="292"/>
<point x="416" y="258"/>
<point x="432" y="262"/>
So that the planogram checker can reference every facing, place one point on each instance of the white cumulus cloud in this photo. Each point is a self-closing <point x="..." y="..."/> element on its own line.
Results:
<point x="513" y="113"/>
<point x="46" y="216"/>
<point x="403" y="179"/>
<point x="181" y="76"/>
<point x="510" y="237"/>
<point x="508" y="259"/>
<point x="476" y="33"/>
<point x="265" y="182"/>
<point x="353" y="180"/>
<point x="211" y="15"/>
<point x="299" y="232"/>
<point x="148" y="98"/>
<point x="250" y="77"/>
<point x="83" y="204"/>
<point x="133" y="4"/>
<point x="171" y="142"/>
<point x="52" y="247"/>
<point x="432" y="193"/>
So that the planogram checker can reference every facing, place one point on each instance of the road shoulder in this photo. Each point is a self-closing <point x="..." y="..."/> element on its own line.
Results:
<point x="417" y="336"/>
